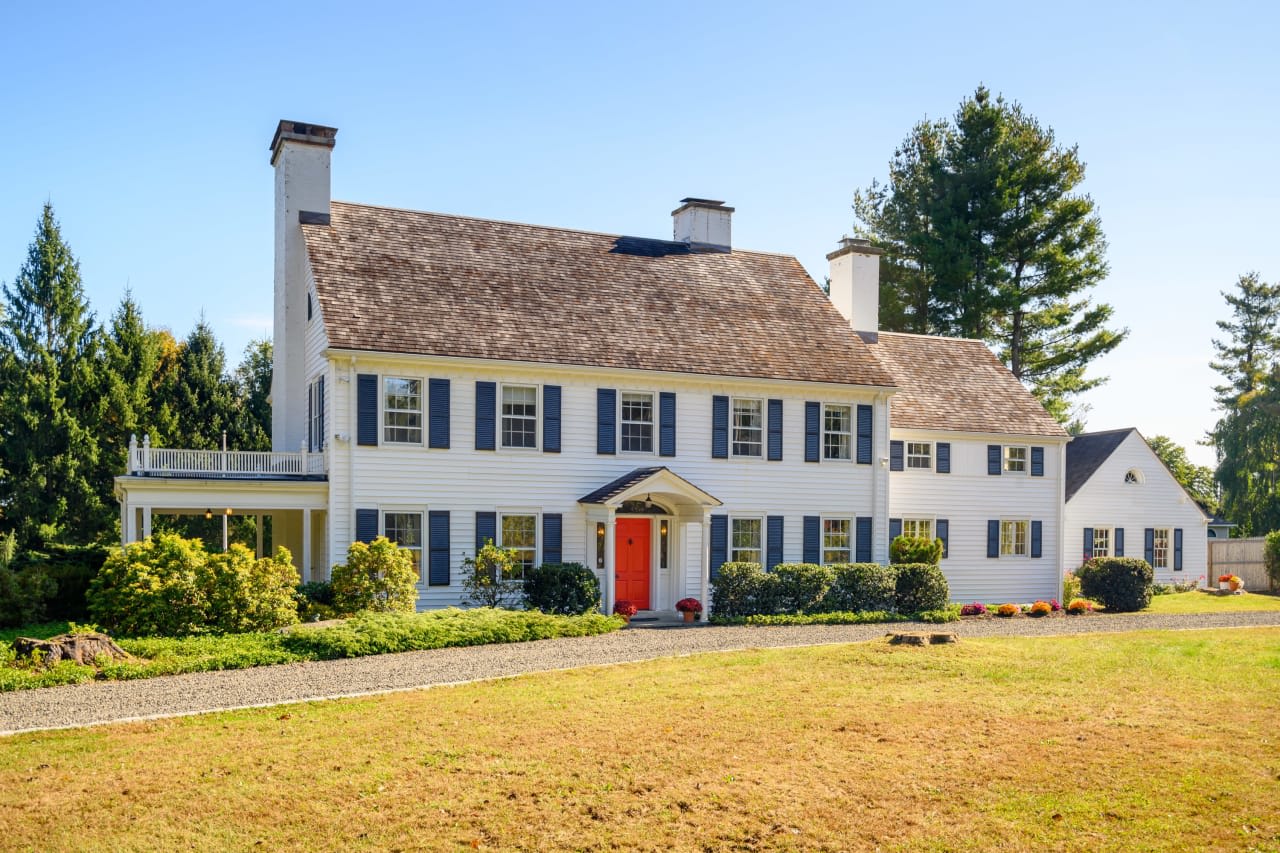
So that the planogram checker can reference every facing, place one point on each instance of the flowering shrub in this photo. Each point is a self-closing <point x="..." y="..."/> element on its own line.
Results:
<point x="975" y="609"/>
<point x="1079" y="606"/>
<point x="1008" y="610"/>
<point x="1041" y="608"/>
<point x="1054" y="605"/>
<point x="625" y="608"/>
<point x="689" y="605"/>
<point x="1070" y="586"/>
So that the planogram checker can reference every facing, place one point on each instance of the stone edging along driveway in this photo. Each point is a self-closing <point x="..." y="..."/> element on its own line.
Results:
<point x="177" y="695"/>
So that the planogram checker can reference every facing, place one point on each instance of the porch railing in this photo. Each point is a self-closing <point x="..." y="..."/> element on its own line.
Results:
<point x="145" y="460"/>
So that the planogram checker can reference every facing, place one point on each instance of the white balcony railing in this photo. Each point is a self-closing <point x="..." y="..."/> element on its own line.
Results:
<point x="145" y="460"/>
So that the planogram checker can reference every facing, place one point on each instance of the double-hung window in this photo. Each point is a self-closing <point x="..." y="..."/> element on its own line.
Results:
<point x="637" y="422"/>
<point x="837" y="540"/>
<point x="519" y="532"/>
<point x="1161" y="540"/>
<point x="519" y="416"/>
<point x="1016" y="459"/>
<point x="748" y="427"/>
<point x="837" y="432"/>
<point x="401" y="410"/>
<point x="405" y="529"/>
<point x="919" y="528"/>
<point x="747" y="541"/>
<point x="1102" y="541"/>
<point x="920" y="455"/>
<point x="1013" y="538"/>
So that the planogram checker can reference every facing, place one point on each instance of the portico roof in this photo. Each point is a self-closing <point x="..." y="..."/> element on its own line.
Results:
<point x="653" y="480"/>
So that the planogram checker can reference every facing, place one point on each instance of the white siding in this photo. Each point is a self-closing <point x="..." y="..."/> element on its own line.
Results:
<point x="1106" y="500"/>
<point x="968" y="497"/>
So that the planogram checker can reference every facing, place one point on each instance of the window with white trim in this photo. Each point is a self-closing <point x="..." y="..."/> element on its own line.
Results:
<point x="1017" y="459"/>
<point x="919" y="528"/>
<point x="519" y="533"/>
<point x="1102" y="541"/>
<point x="637" y="422"/>
<point x="315" y="429"/>
<point x="1013" y="538"/>
<point x="401" y="410"/>
<point x="405" y="529"/>
<point x="837" y="432"/>
<point x="520" y="416"/>
<point x="837" y="540"/>
<point x="920" y="455"/>
<point x="1161" y="547"/>
<point x="748" y="427"/>
<point x="1133" y="477"/>
<point x="746" y="542"/>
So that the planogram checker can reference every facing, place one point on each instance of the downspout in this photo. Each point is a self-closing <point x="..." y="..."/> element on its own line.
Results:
<point x="1062" y="516"/>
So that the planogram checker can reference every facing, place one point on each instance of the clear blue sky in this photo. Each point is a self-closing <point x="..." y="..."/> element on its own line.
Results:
<point x="147" y="126"/>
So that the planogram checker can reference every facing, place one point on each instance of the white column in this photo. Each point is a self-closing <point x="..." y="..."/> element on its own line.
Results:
<point x="146" y="522"/>
<point x="705" y="547"/>
<point x="610" y="567"/>
<point x="131" y="524"/>
<point x="124" y="519"/>
<point x="257" y="548"/>
<point x="306" y="545"/>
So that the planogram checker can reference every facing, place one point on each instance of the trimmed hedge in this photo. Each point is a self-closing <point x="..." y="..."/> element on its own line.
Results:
<point x="920" y="587"/>
<point x="796" y="588"/>
<point x="565" y="589"/>
<point x="915" y="549"/>
<point x="860" y="587"/>
<point x="743" y="590"/>
<point x="1121" y="584"/>
<point x="735" y="590"/>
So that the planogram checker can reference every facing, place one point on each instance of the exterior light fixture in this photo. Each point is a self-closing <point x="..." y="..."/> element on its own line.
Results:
<point x="208" y="513"/>
<point x="228" y="510"/>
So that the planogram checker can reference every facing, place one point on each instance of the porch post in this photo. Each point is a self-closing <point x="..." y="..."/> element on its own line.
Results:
<point x="124" y="519"/>
<point x="706" y="563"/>
<point x="306" y="545"/>
<point x="146" y="522"/>
<point x="131" y="524"/>
<point x="257" y="548"/>
<point x="610" y="569"/>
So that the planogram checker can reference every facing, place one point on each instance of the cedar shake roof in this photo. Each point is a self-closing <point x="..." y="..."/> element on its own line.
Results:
<point x="429" y="284"/>
<point x="958" y="384"/>
<point x="1087" y="452"/>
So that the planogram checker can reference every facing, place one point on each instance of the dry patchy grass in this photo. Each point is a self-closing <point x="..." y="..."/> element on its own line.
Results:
<point x="1127" y="741"/>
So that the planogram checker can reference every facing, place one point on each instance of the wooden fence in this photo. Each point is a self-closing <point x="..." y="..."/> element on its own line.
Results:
<point x="1241" y="557"/>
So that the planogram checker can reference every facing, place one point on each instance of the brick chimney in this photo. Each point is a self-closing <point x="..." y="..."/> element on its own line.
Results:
<point x="704" y="224"/>
<point x="855" y="283"/>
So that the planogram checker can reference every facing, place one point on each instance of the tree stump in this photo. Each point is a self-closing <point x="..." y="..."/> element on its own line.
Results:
<point x="81" y="648"/>
<point x="914" y="639"/>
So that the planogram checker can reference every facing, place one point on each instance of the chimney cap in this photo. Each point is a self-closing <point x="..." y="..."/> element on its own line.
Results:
<point x="299" y="131"/>
<point x="855" y="246"/>
<point x="707" y="203"/>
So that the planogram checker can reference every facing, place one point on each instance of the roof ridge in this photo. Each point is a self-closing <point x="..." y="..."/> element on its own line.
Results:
<point x="1106" y="432"/>
<point x="935" y="337"/>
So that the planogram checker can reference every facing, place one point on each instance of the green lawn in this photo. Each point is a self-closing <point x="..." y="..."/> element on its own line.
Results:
<point x="1139" y="741"/>
<point x="1201" y="602"/>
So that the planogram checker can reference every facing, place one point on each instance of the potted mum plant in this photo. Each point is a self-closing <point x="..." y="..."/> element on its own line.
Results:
<point x="690" y="607"/>
<point x="624" y="608"/>
<point x="1234" y="583"/>
<point x="1224" y="581"/>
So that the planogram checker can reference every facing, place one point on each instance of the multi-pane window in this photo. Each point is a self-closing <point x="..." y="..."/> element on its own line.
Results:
<point x="402" y="410"/>
<point x="637" y="422"/>
<point x="1013" y="538"/>
<point x="921" y="528"/>
<point x="520" y="534"/>
<point x="919" y="454"/>
<point x="837" y="432"/>
<point x="1131" y="477"/>
<point x="405" y="529"/>
<point x="748" y="427"/>
<point x="519" y="416"/>
<point x="1161" y="537"/>
<point x="1102" y="541"/>
<point x="1015" y="459"/>
<point x="837" y="540"/>
<point x="746" y="541"/>
<point x="315" y="429"/>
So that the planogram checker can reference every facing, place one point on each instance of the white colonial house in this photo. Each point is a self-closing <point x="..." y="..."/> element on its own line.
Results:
<point x="1122" y="501"/>
<point x="651" y="408"/>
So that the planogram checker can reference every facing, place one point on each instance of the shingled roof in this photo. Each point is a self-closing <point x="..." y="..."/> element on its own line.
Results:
<point x="430" y="284"/>
<point x="1087" y="452"/>
<point x="958" y="384"/>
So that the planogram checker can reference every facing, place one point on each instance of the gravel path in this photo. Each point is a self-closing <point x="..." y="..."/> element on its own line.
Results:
<point x="118" y="701"/>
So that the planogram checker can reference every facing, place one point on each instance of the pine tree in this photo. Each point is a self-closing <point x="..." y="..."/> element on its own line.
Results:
<point x="201" y="395"/>
<point x="253" y="388"/>
<point x="48" y="350"/>
<point x="1253" y="345"/>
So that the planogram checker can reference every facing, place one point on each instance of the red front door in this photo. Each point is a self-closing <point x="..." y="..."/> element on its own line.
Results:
<point x="633" y="561"/>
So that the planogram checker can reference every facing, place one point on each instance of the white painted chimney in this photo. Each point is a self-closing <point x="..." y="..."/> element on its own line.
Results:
<point x="704" y="224"/>
<point x="855" y="283"/>
<point x="300" y="155"/>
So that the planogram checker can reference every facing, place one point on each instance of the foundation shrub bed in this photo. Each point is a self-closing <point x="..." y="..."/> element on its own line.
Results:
<point x="744" y="590"/>
<point x="857" y="587"/>
<point x="796" y="588"/>
<point x="735" y="590"/>
<point x="567" y="589"/>
<point x="920" y="587"/>
<point x="378" y="576"/>
<point x="1120" y="584"/>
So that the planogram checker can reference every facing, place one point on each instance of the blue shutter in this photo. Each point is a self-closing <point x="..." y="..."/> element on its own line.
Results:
<point x="552" y="525"/>
<point x="320" y="439"/>
<point x="1119" y="536"/>
<point x="438" y="545"/>
<point x="995" y="456"/>
<point x="864" y="434"/>
<point x="812" y="432"/>
<point x="1037" y="534"/>
<point x="1177" y="549"/>
<point x="773" y="541"/>
<point x="486" y="528"/>
<point x="367" y="409"/>
<point x="606" y="421"/>
<point x="551" y="420"/>
<point x="943" y="452"/>
<point x="943" y="528"/>
<point x="486" y="415"/>
<point x="1088" y="543"/>
<point x="775" y="430"/>
<point x="719" y="543"/>
<point x="895" y="456"/>
<point x="666" y="424"/>
<point x="895" y="528"/>
<point x="366" y="525"/>
<point x="311" y="446"/>
<point x="719" y="427"/>
<point x="438" y="414"/>
<point x="862" y="552"/>
<point x="812" y="539"/>
<point x="1037" y="462"/>
<point x="993" y="538"/>
<point x="1149" y="544"/>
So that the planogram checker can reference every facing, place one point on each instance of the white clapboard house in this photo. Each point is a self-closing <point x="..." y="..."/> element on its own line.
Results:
<point x="651" y="408"/>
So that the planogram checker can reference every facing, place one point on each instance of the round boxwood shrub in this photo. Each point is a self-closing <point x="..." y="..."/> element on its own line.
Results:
<point x="798" y="587"/>
<point x="915" y="549"/>
<point x="920" y="587"/>
<point x="737" y="589"/>
<point x="860" y="587"/>
<point x="1121" y="584"/>
<point x="567" y="589"/>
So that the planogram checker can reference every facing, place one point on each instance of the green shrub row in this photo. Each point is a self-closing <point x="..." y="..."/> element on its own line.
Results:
<point x="1121" y="584"/>
<point x="745" y="589"/>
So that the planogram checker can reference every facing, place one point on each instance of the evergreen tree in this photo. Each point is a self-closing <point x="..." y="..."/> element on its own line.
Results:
<point x="48" y="350"/>
<point x="253" y="388"/>
<point x="200" y="393"/>
<point x="1245" y="359"/>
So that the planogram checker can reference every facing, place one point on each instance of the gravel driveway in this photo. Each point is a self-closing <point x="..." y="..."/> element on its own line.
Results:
<point x="117" y="701"/>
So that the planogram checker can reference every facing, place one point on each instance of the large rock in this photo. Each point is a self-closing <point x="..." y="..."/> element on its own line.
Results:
<point x="81" y="648"/>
